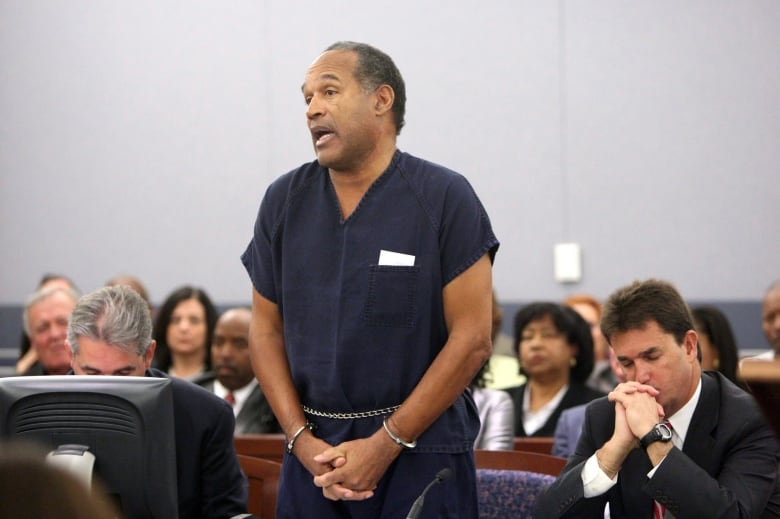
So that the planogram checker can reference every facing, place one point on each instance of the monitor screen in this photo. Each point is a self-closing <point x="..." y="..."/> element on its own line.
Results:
<point x="126" y="422"/>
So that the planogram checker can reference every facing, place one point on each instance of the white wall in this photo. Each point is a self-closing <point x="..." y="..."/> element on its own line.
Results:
<point x="139" y="136"/>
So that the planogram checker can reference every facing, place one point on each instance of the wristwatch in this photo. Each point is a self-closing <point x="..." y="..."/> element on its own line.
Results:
<point x="659" y="433"/>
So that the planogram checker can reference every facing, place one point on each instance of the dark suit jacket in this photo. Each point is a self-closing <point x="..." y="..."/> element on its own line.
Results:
<point x="211" y="484"/>
<point x="255" y="416"/>
<point x="576" y="394"/>
<point x="728" y="466"/>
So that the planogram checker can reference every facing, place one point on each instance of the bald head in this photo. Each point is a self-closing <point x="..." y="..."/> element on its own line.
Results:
<point x="230" y="349"/>
<point x="770" y="317"/>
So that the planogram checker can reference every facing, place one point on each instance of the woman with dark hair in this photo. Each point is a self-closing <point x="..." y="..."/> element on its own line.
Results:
<point x="716" y="342"/>
<point x="183" y="330"/>
<point x="555" y="348"/>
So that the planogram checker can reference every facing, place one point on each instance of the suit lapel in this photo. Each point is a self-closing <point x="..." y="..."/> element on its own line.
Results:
<point x="699" y="443"/>
<point x="249" y="415"/>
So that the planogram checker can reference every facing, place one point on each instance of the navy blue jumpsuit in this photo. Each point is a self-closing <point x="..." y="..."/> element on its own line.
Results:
<point x="359" y="335"/>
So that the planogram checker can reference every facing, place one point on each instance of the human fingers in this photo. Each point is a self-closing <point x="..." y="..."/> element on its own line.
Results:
<point x="338" y="492"/>
<point x="622" y="432"/>
<point x="330" y="456"/>
<point x="632" y="388"/>
<point x="328" y="479"/>
<point x="650" y="390"/>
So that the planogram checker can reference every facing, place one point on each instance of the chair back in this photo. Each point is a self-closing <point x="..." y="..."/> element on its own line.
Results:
<point x="263" y="476"/>
<point x="268" y="446"/>
<point x="542" y="445"/>
<point x="519" y="460"/>
<point x="509" y="494"/>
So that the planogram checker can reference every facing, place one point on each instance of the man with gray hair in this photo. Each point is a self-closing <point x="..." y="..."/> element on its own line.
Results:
<point x="110" y="333"/>
<point x="45" y="322"/>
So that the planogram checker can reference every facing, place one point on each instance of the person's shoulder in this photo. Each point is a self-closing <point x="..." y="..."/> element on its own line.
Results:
<point x="205" y="380"/>
<point x="34" y="370"/>
<point x="579" y="393"/>
<point x="729" y="393"/>
<point x="738" y="413"/>
<point x="296" y="179"/>
<point x="490" y="396"/>
<point x="436" y="186"/>
<point x="420" y="170"/>
<point x="515" y="391"/>
<point x="497" y="394"/>
<point x="187" y="393"/>
<point x="585" y="392"/>
<point x="282" y="192"/>
<point x="599" y="406"/>
<point x="572" y="413"/>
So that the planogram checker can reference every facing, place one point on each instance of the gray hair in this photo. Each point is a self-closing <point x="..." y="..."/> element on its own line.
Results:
<point x="373" y="69"/>
<point x="39" y="296"/>
<point x="116" y="315"/>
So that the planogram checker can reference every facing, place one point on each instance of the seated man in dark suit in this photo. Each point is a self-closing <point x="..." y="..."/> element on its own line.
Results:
<point x="717" y="457"/>
<point x="232" y="377"/>
<point x="110" y="333"/>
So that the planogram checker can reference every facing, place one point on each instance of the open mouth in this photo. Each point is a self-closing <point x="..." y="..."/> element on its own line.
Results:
<point x="321" y="135"/>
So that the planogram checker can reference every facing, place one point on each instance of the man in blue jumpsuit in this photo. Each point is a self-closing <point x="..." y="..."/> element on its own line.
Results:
<point x="371" y="306"/>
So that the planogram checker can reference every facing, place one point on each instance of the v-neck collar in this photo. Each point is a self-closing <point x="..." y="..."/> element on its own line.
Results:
<point x="373" y="187"/>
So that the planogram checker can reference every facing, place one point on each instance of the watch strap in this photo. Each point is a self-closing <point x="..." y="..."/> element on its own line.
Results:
<point x="661" y="432"/>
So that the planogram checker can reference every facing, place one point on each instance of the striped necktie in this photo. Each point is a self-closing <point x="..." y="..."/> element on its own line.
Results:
<point x="658" y="510"/>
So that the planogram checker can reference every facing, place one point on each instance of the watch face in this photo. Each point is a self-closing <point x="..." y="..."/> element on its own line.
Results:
<point x="664" y="431"/>
<point x="659" y="432"/>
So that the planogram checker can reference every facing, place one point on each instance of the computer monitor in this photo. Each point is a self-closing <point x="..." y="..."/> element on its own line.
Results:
<point x="126" y="423"/>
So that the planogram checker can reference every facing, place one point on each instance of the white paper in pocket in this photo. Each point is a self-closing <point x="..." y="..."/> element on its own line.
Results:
<point x="395" y="259"/>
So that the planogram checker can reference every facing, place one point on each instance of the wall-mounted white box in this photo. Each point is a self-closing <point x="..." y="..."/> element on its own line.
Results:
<point x="567" y="262"/>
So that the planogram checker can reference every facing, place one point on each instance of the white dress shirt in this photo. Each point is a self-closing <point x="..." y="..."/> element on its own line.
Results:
<point x="239" y="394"/>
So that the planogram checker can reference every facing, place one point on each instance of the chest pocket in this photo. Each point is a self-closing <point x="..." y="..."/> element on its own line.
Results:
<point x="392" y="296"/>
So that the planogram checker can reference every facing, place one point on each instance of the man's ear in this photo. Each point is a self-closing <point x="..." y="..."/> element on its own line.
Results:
<point x="71" y="358"/>
<point x="150" y="354"/>
<point x="384" y="99"/>
<point x="691" y="344"/>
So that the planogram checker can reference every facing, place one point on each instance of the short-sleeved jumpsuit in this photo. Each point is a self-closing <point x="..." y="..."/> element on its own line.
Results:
<point x="359" y="335"/>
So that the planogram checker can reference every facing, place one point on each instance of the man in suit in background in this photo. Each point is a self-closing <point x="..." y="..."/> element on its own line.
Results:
<point x="717" y="457"/>
<point x="232" y="377"/>
<point x="770" y="321"/>
<point x="110" y="333"/>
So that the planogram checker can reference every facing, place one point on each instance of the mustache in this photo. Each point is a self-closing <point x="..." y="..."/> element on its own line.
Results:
<point x="229" y="367"/>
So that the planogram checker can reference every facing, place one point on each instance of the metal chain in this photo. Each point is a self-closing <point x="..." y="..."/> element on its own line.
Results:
<point x="349" y="416"/>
